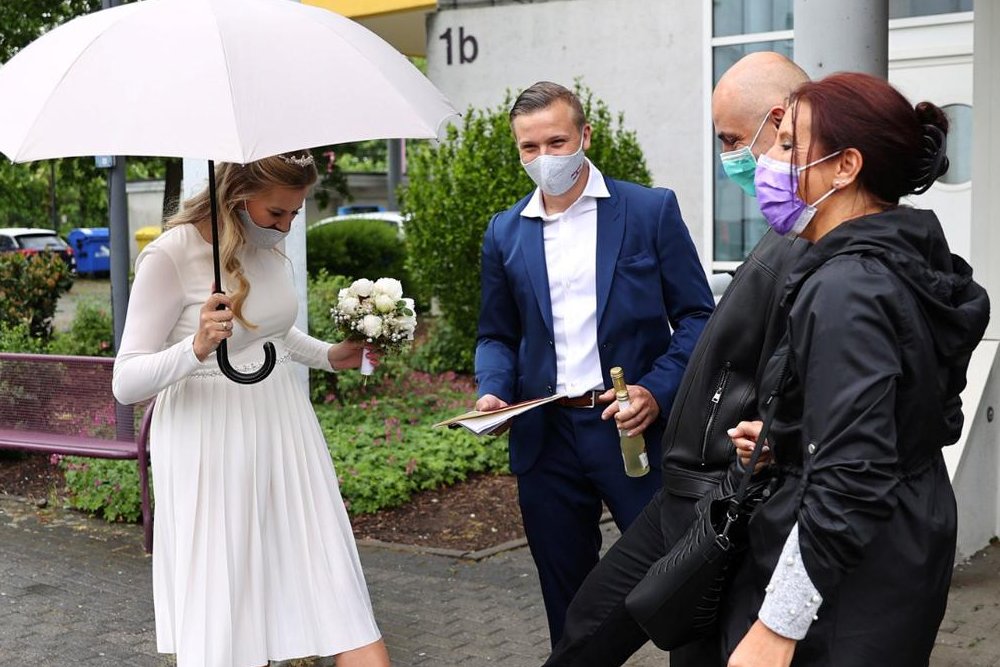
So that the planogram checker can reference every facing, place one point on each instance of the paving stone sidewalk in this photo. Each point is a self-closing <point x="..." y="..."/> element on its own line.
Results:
<point x="77" y="591"/>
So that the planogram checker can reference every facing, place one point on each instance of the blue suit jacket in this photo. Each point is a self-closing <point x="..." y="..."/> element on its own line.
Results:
<point x="649" y="280"/>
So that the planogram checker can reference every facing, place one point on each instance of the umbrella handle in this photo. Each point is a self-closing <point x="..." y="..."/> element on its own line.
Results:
<point x="253" y="377"/>
<point x="222" y="352"/>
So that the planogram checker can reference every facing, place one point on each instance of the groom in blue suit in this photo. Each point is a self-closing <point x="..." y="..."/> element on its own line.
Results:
<point x="584" y="274"/>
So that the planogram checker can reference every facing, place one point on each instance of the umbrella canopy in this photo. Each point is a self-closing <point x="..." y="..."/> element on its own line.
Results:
<point x="215" y="79"/>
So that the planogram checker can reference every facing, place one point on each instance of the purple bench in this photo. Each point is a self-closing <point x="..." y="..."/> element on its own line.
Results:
<point x="63" y="405"/>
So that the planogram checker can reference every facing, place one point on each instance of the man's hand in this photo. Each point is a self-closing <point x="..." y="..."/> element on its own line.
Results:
<point x="763" y="647"/>
<point x="744" y="436"/>
<point x="488" y="403"/>
<point x="642" y="411"/>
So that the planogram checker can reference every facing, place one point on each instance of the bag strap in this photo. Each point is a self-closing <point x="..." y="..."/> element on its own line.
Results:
<point x="771" y="405"/>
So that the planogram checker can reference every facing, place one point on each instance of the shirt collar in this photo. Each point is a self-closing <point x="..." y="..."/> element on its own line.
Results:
<point x="596" y="188"/>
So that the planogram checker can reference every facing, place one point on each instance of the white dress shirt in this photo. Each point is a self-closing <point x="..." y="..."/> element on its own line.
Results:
<point x="571" y="264"/>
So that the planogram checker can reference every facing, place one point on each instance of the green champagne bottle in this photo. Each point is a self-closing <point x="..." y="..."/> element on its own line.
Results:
<point x="633" y="446"/>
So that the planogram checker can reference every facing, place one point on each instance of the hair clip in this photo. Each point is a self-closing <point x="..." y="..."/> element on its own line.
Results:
<point x="298" y="161"/>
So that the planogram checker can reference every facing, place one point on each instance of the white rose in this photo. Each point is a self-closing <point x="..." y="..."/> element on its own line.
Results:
<point x="390" y="286"/>
<point x="362" y="287"/>
<point x="409" y="326"/>
<point x="371" y="326"/>
<point x="349" y="305"/>
<point x="384" y="303"/>
<point x="344" y="293"/>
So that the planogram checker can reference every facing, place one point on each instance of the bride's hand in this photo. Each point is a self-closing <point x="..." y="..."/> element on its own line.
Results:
<point x="215" y="325"/>
<point x="347" y="354"/>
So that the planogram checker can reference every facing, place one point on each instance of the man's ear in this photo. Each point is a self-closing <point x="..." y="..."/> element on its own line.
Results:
<point x="777" y="113"/>
<point x="586" y="137"/>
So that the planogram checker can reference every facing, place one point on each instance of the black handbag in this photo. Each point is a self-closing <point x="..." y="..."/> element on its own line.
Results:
<point x="679" y="598"/>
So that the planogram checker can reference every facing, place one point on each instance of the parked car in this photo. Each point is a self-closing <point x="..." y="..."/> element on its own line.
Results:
<point x="393" y="218"/>
<point x="29" y="241"/>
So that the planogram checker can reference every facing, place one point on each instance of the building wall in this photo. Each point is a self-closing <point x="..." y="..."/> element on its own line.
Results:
<point x="646" y="59"/>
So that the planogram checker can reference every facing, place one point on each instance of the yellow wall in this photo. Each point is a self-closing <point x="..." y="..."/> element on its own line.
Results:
<point x="361" y="8"/>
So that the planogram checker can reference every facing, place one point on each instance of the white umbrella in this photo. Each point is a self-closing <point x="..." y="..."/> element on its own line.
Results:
<point x="215" y="79"/>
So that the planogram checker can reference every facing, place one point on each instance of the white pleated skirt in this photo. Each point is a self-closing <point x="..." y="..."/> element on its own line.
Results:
<point x="253" y="554"/>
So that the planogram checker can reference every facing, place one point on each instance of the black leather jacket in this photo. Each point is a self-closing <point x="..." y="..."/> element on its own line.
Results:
<point x="719" y="387"/>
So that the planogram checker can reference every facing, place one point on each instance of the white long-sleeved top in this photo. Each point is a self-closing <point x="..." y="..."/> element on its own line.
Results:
<point x="173" y="279"/>
<point x="570" y="239"/>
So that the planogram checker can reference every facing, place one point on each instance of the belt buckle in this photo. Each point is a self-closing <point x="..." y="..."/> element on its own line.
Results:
<point x="593" y="400"/>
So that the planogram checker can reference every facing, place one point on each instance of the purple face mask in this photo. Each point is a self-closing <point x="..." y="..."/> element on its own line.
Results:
<point x="777" y="185"/>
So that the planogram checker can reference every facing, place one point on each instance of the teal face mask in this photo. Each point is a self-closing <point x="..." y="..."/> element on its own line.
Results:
<point x="740" y="164"/>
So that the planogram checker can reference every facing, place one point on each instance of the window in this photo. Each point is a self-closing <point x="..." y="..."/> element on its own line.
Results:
<point x="744" y="17"/>
<point x="959" y="144"/>
<point x="901" y="9"/>
<point x="741" y="27"/>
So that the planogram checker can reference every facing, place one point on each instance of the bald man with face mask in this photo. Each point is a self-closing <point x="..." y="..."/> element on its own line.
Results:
<point x="718" y="389"/>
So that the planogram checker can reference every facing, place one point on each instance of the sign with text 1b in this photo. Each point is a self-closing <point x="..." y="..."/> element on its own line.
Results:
<point x="104" y="161"/>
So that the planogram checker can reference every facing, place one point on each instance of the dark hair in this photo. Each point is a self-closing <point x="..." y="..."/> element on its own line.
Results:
<point x="903" y="147"/>
<point x="542" y="95"/>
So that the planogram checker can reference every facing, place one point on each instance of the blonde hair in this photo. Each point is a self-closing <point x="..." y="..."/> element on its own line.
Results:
<point x="235" y="184"/>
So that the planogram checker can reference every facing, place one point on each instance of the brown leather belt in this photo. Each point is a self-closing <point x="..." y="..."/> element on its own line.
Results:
<point x="588" y="400"/>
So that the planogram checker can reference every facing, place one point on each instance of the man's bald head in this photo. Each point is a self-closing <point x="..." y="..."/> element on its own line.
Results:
<point x="747" y="91"/>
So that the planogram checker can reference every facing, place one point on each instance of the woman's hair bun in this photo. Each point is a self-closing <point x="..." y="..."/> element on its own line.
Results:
<point x="932" y="154"/>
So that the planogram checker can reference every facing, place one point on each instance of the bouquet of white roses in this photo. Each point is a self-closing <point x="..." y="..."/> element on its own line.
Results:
<point x="376" y="312"/>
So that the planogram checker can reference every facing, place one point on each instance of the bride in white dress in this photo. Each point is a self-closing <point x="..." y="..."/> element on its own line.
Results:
<point x="253" y="555"/>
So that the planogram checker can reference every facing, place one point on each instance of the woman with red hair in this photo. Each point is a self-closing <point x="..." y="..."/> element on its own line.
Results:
<point x="851" y="556"/>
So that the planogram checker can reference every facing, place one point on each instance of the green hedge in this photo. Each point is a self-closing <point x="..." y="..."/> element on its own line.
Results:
<point x="357" y="248"/>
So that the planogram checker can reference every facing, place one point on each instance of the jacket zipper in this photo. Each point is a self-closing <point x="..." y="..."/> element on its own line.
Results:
<point x="716" y="400"/>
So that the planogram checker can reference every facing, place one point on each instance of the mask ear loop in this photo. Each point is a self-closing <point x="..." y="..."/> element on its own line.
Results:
<point x="799" y="170"/>
<point x="759" y="129"/>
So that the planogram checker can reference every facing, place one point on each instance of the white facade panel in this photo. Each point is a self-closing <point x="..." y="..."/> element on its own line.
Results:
<point x="645" y="59"/>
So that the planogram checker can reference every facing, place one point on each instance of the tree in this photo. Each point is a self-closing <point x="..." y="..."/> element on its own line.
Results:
<point x="454" y="188"/>
<point x="24" y="21"/>
<point x="25" y="188"/>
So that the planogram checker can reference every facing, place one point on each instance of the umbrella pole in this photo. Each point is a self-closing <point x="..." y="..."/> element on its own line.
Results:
<point x="222" y="353"/>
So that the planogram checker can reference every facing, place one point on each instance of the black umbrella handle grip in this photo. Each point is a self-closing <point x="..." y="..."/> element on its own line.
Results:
<point x="270" y="358"/>
<point x="222" y="353"/>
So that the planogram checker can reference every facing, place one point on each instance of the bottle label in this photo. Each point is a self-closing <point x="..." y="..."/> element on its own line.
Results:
<point x="644" y="459"/>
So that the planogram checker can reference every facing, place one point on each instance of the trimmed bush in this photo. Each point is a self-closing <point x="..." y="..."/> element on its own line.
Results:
<point x="18" y="338"/>
<point x="30" y="287"/>
<point x="90" y="335"/>
<point x="355" y="248"/>
<point x="455" y="187"/>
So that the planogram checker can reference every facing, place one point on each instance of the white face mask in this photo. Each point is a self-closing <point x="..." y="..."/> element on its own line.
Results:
<point x="257" y="236"/>
<point x="556" y="174"/>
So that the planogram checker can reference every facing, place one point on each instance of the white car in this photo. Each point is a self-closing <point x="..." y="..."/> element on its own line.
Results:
<point x="394" y="218"/>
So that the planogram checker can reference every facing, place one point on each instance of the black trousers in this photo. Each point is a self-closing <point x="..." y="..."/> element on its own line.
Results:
<point x="560" y="497"/>
<point x="599" y="632"/>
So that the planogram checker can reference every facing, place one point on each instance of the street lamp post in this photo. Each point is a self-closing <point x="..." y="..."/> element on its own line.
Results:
<point x="118" y="237"/>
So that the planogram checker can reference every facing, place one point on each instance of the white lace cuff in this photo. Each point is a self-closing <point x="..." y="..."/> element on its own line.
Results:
<point x="791" y="601"/>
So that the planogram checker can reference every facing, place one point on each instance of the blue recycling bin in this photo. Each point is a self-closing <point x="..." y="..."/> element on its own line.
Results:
<point x="92" y="248"/>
